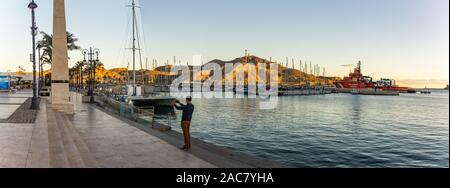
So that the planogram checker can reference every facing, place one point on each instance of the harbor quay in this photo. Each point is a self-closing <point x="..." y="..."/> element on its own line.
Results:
<point x="95" y="138"/>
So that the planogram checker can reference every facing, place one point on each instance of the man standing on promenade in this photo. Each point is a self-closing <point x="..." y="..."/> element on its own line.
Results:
<point x="186" y="119"/>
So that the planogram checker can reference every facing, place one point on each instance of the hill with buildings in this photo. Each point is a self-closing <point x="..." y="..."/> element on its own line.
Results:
<point x="162" y="74"/>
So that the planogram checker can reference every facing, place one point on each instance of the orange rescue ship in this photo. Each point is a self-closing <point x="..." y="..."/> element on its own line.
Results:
<point x="357" y="81"/>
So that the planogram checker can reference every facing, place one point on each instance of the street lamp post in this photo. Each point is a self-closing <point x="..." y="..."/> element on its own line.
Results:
<point x="40" y="69"/>
<point x="82" y="75"/>
<point x="94" y="70"/>
<point x="42" y="80"/>
<point x="85" y="53"/>
<point x="93" y="64"/>
<point x="35" y="99"/>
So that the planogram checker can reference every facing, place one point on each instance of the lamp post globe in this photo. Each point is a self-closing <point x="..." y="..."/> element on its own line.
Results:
<point x="32" y="5"/>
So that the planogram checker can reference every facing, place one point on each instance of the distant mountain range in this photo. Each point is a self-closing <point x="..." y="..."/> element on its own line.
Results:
<point x="285" y="75"/>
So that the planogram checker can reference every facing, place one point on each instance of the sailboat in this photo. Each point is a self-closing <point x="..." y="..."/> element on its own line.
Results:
<point x="136" y="98"/>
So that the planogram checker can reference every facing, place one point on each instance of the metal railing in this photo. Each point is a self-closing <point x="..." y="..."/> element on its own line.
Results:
<point x="124" y="109"/>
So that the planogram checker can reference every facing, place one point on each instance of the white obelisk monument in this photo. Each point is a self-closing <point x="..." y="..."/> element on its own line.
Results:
<point x="60" y="97"/>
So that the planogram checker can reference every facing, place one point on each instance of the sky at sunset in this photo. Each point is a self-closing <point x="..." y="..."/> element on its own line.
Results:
<point x="401" y="39"/>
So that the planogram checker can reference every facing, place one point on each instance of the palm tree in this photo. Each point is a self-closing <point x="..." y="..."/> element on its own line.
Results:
<point x="46" y="45"/>
<point x="72" y="74"/>
<point x="89" y="68"/>
<point x="79" y="68"/>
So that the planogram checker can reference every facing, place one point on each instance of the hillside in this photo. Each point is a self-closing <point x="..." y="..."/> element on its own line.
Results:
<point x="286" y="76"/>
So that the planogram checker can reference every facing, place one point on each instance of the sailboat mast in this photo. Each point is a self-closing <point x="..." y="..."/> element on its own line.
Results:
<point x="145" y="71"/>
<point x="133" y="7"/>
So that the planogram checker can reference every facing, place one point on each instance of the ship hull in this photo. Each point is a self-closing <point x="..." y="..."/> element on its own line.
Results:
<point x="353" y="85"/>
<point x="400" y="89"/>
<point x="153" y="102"/>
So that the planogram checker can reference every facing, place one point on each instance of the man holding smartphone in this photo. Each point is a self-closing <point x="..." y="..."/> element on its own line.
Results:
<point x="188" y="110"/>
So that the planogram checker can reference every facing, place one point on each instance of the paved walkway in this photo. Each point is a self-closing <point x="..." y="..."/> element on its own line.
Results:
<point x="116" y="144"/>
<point x="10" y="102"/>
<point x="91" y="138"/>
<point x="14" y="144"/>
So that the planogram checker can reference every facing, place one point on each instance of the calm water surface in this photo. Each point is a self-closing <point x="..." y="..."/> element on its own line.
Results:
<point x="338" y="130"/>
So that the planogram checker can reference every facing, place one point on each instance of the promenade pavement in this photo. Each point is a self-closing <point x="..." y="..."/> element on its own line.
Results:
<point x="89" y="139"/>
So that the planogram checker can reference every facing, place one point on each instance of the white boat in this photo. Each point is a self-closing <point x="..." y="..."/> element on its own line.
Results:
<point x="154" y="101"/>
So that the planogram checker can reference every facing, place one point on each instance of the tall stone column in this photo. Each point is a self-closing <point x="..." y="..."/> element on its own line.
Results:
<point x="60" y="97"/>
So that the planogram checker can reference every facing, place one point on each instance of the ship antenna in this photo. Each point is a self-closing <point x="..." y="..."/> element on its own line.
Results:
<point x="359" y="66"/>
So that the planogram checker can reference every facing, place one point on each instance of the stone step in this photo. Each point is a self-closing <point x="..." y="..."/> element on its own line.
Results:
<point x="57" y="153"/>
<point x="88" y="159"/>
<point x="72" y="153"/>
<point x="38" y="155"/>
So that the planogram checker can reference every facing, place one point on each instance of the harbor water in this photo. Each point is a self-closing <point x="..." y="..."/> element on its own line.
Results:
<point x="337" y="130"/>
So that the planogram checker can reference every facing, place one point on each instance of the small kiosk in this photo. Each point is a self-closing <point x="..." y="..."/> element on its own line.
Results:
<point x="5" y="83"/>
